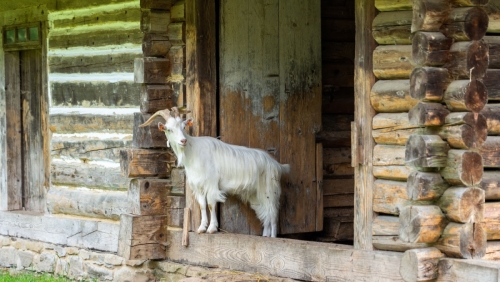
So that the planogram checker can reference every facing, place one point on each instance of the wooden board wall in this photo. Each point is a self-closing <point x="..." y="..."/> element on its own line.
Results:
<point x="270" y="96"/>
<point x="337" y="113"/>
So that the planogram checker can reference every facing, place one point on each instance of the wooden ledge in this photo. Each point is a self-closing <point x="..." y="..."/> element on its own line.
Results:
<point x="284" y="257"/>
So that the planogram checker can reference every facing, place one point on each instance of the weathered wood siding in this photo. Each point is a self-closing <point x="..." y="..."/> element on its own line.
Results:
<point x="337" y="35"/>
<point x="93" y="96"/>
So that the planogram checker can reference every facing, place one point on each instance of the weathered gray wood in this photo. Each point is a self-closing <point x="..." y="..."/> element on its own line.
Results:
<point x="464" y="130"/>
<point x="324" y="261"/>
<point x="468" y="60"/>
<point x="96" y="38"/>
<point x="157" y="4"/>
<point x="84" y="174"/>
<point x="392" y="172"/>
<point x="392" y="243"/>
<point x="70" y="231"/>
<point x="149" y="196"/>
<point x="420" y="264"/>
<point x="390" y="197"/>
<point x="91" y="94"/>
<point x="385" y="225"/>
<point x="151" y="70"/>
<point x="364" y="79"/>
<point x="426" y="151"/>
<point x="142" y="237"/>
<point x="12" y="189"/>
<point x="428" y="83"/>
<point x="388" y="155"/>
<point x="430" y="48"/>
<point x="459" y="270"/>
<point x="121" y="62"/>
<point x="463" y="168"/>
<point x="148" y="136"/>
<point x="88" y="149"/>
<point x="392" y="27"/>
<point x="492" y="114"/>
<point x="421" y="224"/>
<point x="490" y="220"/>
<point x="178" y="11"/>
<point x="490" y="152"/>
<point x="463" y="204"/>
<point x="392" y="61"/>
<point x="156" y="97"/>
<point x="126" y="12"/>
<point x="78" y="123"/>
<point x="429" y="15"/>
<point x="176" y="33"/>
<point x="154" y="21"/>
<point x="428" y="114"/>
<point x="155" y="45"/>
<point x="466" y="95"/>
<point x="89" y="203"/>
<point x="463" y="240"/>
<point x="491" y="185"/>
<point x="146" y="163"/>
<point x="466" y="24"/>
<point x="490" y="81"/>
<point x="392" y="96"/>
<point x="425" y="185"/>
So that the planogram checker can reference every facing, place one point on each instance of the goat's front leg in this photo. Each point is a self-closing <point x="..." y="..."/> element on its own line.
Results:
<point x="203" y="209"/>
<point x="212" y="206"/>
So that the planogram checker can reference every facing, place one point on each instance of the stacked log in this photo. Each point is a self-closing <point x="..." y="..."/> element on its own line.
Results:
<point x="432" y="110"/>
<point x="156" y="192"/>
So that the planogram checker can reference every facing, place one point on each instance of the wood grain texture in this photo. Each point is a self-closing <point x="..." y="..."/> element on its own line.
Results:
<point x="201" y="78"/>
<point x="95" y="94"/>
<point x="429" y="15"/>
<point x="392" y="27"/>
<point x="392" y="96"/>
<point x="466" y="24"/>
<point x="463" y="204"/>
<point x="421" y="224"/>
<point x="459" y="270"/>
<point x="146" y="163"/>
<point x="390" y="197"/>
<point x="80" y="123"/>
<point x="468" y="59"/>
<point x="142" y="237"/>
<point x="392" y="243"/>
<point x="284" y="257"/>
<point x="149" y="196"/>
<point x="364" y="80"/>
<point x="91" y="64"/>
<point x="392" y="61"/>
<point x="148" y="137"/>
<point x="463" y="240"/>
<point x="391" y="5"/>
<point x="63" y="230"/>
<point x="428" y="83"/>
<point x="430" y="48"/>
<point x="420" y="264"/>
<point x="463" y="168"/>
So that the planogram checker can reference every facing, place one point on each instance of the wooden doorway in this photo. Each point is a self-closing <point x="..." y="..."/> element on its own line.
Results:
<point x="270" y="98"/>
<point x="24" y="93"/>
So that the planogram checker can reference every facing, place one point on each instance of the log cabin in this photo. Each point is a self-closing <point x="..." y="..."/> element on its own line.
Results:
<point x="385" y="109"/>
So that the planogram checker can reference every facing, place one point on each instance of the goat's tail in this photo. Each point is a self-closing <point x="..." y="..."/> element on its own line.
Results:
<point x="285" y="168"/>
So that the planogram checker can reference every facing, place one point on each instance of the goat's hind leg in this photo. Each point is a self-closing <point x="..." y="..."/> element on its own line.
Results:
<point x="212" y="207"/>
<point x="203" y="209"/>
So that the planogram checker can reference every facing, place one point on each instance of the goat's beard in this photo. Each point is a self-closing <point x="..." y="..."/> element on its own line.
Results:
<point x="179" y="153"/>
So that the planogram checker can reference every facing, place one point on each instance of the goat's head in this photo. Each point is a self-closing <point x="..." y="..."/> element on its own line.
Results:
<point x="173" y="127"/>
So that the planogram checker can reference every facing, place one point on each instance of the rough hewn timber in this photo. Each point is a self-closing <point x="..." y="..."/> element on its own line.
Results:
<point x="390" y="197"/>
<point x="423" y="186"/>
<point x="421" y="224"/>
<point x="466" y="95"/>
<point x="142" y="237"/>
<point x="428" y="83"/>
<point x="463" y="204"/>
<point x="155" y="44"/>
<point x="468" y="60"/>
<point x="392" y="27"/>
<point x="463" y="168"/>
<point x="491" y="185"/>
<point x="429" y="15"/>
<point x="146" y="163"/>
<point x="491" y="220"/>
<point x="149" y="136"/>
<point x="466" y="24"/>
<point x="392" y="62"/>
<point x="392" y="96"/>
<point x="463" y="240"/>
<point x="430" y="48"/>
<point x="426" y="151"/>
<point x="428" y="114"/>
<point x="420" y="264"/>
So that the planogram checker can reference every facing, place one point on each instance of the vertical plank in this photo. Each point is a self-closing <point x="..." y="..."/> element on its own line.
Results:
<point x="33" y="161"/>
<point x="300" y="110"/>
<point x="12" y="193"/>
<point x="4" y="198"/>
<point x="363" y="82"/>
<point x="319" y="187"/>
<point x="235" y="102"/>
<point x="201" y="74"/>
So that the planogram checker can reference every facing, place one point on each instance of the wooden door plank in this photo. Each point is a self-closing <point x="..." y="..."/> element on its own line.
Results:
<point x="33" y="162"/>
<point x="201" y="78"/>
<point x="363" y="82"/>
<point x="13" y="190"/>
<point x="234" y="100"/>
<point x="300" y="114"/>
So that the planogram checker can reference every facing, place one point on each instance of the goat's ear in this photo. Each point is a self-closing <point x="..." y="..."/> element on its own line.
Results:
<point x="189" y="122"/>
<point x="161" y="126"/>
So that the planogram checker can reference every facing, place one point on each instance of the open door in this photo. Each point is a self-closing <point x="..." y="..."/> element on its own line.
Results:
<point x="270" y="98"/>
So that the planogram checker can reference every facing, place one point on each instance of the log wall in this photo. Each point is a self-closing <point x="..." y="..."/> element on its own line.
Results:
<point x="93" y="98"/>
<point x="435" y="152"/>
<point x="337" y="114"/>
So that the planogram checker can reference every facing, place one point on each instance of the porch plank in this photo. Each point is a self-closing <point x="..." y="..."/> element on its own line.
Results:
<point x="294" y="259"/>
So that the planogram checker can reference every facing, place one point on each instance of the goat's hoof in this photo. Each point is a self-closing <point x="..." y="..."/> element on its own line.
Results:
<point x="201" y="230"/>
<point x="212" y="229"/>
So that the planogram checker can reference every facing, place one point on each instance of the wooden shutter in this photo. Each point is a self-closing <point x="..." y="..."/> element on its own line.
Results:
<point x="270" y="98"/>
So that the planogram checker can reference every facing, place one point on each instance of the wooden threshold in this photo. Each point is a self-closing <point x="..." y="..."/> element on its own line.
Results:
<point x="71" y="231"/>
<point x="310" y="261"/>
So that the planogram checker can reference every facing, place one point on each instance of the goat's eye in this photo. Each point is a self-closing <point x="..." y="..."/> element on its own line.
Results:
<point x="169" y="130"/>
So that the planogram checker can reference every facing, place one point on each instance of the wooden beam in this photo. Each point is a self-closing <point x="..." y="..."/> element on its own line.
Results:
<point x="146" y="163"/>
<point x="278" y="257"/>
<point x="142" y="237"/>
<point x="459" y="270"/>
<point x="71" y="231"/>
<point x="364" y="78"/>
<point x="201" y="77"/>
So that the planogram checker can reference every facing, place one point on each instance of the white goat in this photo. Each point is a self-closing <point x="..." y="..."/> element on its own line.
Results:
<point x="214" y="169"/>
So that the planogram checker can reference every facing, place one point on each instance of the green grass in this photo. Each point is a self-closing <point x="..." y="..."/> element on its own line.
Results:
<point x="26" y="276"/>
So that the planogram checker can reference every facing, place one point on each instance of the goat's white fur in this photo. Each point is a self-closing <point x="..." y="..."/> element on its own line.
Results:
<point x="214" y="169"/>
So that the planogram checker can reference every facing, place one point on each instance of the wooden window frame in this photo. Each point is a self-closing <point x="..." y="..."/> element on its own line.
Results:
<point x="21" y="46"/>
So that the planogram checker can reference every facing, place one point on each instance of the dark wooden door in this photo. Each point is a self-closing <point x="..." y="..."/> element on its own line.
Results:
<point x="24" y="129"/>
<point x="270" y="98"/>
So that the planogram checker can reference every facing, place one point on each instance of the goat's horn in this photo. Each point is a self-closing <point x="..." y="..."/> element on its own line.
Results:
<point x="164" y="113"/>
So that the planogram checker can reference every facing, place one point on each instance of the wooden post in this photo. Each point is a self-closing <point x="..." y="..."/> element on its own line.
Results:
<point x="364" y="80"/>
